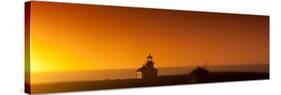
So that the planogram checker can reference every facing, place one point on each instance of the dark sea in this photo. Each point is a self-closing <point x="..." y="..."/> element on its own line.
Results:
<point x="54" y="77"/>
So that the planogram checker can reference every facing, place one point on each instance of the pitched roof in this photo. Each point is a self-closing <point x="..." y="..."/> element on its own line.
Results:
<point x="146" y="68"/>
<point x="199" y="71"/>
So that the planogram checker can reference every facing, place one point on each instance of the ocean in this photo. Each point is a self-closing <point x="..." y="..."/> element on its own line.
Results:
<point x="53" y="77"/>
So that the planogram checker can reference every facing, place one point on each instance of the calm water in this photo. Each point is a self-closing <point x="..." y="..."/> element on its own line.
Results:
<point x="130" y="73"/>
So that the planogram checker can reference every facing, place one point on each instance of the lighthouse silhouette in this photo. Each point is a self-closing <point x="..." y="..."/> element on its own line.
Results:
<point x="147" y="70"/>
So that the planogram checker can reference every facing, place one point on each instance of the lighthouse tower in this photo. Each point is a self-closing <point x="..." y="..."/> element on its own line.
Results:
<point x="147" y="71"/>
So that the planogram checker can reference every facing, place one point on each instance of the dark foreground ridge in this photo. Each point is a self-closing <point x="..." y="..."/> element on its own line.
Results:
<point x="158" y="81"/>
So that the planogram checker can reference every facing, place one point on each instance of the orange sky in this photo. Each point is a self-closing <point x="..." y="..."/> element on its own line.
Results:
<point x="74" y="37"/>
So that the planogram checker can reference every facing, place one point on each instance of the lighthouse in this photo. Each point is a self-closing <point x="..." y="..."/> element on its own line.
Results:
<point x="147" y="70"/>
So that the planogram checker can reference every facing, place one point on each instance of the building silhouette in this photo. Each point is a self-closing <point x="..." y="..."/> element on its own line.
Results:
<point x="200" y="74"/>
<point x="147" y="71"/>
<point x="200" y="71"/>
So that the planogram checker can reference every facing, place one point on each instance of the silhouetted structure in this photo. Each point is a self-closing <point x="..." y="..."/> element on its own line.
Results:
<point x="199" y="74"/>
<point x="149" y="78"/>
<point x="147" y="71"/>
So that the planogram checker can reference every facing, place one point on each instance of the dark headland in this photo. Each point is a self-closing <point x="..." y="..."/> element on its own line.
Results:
<point x="159" y="81"/>
<point x="147" y="75"/>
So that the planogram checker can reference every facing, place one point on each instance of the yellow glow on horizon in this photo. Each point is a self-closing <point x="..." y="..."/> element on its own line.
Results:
<point x="73" y="37"/>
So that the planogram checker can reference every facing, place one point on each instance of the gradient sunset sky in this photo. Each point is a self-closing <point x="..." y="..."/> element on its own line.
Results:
<point x="74" y="37"/>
